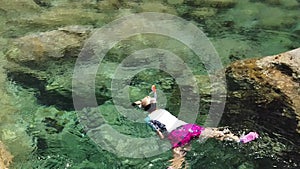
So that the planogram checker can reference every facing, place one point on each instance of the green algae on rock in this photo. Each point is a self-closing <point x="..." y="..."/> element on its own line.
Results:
<point x="157" y="6"/>
<point x="214" y="3"/>
<point x="203" y="13"/>
<point x="17" y="7"/>
<point x="287" y="4"/>
<point x="13" y="128"/>
<point x="175" y="2"/>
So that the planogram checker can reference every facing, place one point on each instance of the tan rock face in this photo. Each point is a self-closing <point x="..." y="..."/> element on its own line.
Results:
<point x="282" y="72"/>
<point x="264" y="95"/>
<point x="271" y="85"/>
<point x="5" y="157"/>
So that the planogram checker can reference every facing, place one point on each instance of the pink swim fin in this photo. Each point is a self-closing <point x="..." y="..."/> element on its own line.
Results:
<point x="249" y="137"/>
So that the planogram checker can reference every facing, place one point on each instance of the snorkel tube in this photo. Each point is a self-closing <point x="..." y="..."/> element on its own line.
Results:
<point x="153" y="89"/>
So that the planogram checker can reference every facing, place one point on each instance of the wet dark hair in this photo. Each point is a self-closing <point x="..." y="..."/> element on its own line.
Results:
<point x="150" y="107"/>
<point x="134" y="104"/>
<point x="146" y="108"/>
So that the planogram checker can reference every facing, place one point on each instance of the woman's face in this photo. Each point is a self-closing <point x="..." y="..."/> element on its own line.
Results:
<point x="146" y="101"/>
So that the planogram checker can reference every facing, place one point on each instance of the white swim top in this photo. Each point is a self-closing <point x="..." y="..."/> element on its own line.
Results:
<point x="166" y="118"/>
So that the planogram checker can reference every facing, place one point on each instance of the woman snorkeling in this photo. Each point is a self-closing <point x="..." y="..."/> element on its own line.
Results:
<point x="180" y="133"/>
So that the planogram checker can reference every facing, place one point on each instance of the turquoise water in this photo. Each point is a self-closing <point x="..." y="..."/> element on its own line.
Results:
<point x="40" y="126"/>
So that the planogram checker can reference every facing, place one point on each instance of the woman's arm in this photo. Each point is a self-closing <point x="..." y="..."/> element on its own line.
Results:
<point x="160" y="134"/>
<point x="154" y="127"/>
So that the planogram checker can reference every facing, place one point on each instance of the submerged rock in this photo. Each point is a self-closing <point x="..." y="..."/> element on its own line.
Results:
<point x="264" y="93"/>
<point x="43" y="3"/>
<point x="13" y="131"/>
<point x="175" y="2"/>
<point x="40" y="47"/>
<point x="19" y="6"/>
<point x="45" y="61"/>
<point x="288" y="4"/>
<point x="214" y="3"/>
<point x="157" y="6"/>
<point x="284" y="19"/>
<point x="203" y="13"/>
<point x="108" y="6"/>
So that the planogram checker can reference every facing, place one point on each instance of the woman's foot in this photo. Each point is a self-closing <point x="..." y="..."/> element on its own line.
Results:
<point x="179" y="151"/>
<point x="231" y="137"/>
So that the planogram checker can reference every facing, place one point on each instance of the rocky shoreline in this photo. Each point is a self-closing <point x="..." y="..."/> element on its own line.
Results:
<point x="265" y="93"/>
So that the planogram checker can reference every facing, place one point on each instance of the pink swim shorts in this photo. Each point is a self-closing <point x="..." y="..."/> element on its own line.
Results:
<point x="184" y="134"/>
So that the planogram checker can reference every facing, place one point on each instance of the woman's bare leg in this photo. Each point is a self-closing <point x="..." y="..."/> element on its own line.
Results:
<point x="216" y="133"/>
<point x="179" y="157"/>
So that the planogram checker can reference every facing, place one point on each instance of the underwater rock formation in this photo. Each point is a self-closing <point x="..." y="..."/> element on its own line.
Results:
<point x="203" y="13"/>
<point x="273" y="84"/>
<point x="157" y="6"/>
<point x="264" y="93"/>
<point x="214" y="3"/>
<point x="13" y="133"/>
<point x="45" y="61"/>
<point x="54" y="44"/>
<point x="38" y="60"/>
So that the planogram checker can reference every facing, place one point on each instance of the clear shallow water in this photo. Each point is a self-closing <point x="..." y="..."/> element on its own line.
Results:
<point x="44" y="136"/>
